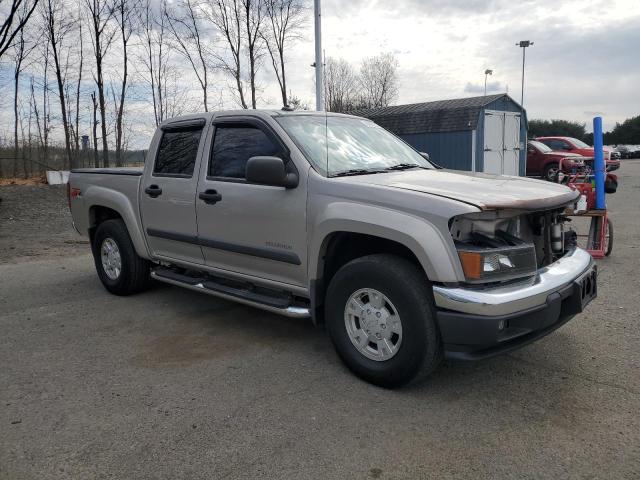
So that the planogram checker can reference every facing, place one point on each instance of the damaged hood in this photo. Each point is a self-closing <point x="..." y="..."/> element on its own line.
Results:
<point x="487" y="192"/>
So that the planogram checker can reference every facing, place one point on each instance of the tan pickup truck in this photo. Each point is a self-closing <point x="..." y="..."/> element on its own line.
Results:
<point x="332" y="217"/>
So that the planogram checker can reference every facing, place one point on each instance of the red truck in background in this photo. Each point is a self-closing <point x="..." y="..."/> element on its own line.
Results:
<point x="543" y="162"/>
<point x="573" y="145"/>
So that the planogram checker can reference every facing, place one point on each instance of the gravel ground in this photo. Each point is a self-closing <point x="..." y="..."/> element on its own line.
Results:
<point x="172" y="384"/>
<point x="35" y="221"/>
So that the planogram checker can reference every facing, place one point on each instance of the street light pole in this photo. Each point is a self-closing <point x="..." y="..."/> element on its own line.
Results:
<point x="486" y="72"/>
<point x="523" y="44"/>
<point x="523" y="143"/>
<point x="319" y="64"/>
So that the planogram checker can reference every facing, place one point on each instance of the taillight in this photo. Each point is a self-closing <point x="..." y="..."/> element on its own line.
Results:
<point x="71" y="194"/>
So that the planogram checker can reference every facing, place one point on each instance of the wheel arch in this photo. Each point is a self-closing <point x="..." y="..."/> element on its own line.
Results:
<point x="105" y="204"/>
<point x="348" y="240"/>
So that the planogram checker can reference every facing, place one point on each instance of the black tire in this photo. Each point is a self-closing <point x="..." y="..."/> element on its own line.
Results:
<point x="550" y="172"/>
<point x="408" y="289"/>
<point x="134" y="272"/>
<point x="609" y="230"/>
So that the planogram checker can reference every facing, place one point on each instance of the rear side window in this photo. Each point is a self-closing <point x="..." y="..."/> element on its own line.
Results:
<point x="177" y="152"/>
<point x="234" y="145"/>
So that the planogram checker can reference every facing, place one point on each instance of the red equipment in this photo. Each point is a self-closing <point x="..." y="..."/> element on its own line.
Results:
<point x="600" y="236"/>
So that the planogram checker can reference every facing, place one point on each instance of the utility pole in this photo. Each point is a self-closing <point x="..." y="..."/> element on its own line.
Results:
<point x="319" y="64"/>
<point x="486" y="72"/>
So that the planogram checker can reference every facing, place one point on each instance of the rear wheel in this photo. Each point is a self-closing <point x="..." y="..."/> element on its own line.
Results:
<point x="551" y="172"/>
<point x="119" y="267"/>
<point x="382" y="322"/>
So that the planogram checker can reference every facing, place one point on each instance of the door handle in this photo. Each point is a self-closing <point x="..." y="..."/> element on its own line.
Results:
<point x="210" y="196"/>
<point x="153" y="191"/>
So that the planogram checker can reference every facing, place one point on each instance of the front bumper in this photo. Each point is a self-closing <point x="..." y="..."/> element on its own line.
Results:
<point x="480" y="323"/>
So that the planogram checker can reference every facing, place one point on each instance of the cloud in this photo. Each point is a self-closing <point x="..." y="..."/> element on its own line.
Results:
<point x="478" y="88"/>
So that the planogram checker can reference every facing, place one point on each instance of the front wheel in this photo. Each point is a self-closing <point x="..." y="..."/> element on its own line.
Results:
<point x="119" y="267"/>
<point x="381" y="319"/>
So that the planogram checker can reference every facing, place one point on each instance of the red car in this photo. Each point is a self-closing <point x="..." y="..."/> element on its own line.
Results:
<point x="573" y="145"/>
<point x="543" y="162"/>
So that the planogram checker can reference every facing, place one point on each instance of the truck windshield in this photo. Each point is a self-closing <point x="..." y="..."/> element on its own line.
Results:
<point x="578" y="143"/>
<point x="349" y="146"/>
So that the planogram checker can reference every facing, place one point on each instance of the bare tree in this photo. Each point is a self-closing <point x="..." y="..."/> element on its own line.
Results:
<point x="254" y="14"/>
<point x="125" y="14"/>
<point x="58" y="25"/>
<point x="226" y="15"/>
<point x="188" y="33"/>
<point x="101" y="13"/>
<point x="154" y="54"/>
<point x="379" y="80"/>
<point x="285" y="21"/>
<point x="341" y="86"/>
<point x="21" y="49"/>
<point x="18" y="13"/>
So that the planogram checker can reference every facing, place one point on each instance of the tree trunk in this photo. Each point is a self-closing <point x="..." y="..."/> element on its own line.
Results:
<point x="285" y="101"/>
<point x="77" y="122"/>
<point x="96" y="159"/>
<point x="63" y="109"/>
<point x="16" y="79"/>
<point x="101" y="104"/>
<point x="120" y="117"/>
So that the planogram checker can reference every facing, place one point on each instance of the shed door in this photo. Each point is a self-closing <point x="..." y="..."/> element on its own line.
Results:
<point x="501" y="142"/>
<point x="511" y="156"/>
<point x="493" y="132"/>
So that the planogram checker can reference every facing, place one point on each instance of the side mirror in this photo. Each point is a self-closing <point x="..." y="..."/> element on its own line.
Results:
<point x="425" y="155"/>
<point x="270" y="171"/>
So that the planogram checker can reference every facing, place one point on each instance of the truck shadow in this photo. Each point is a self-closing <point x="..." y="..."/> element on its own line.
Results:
<point x="210" y="329"/>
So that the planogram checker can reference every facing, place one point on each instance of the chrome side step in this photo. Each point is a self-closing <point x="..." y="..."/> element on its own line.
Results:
<point x="280" y="304"/>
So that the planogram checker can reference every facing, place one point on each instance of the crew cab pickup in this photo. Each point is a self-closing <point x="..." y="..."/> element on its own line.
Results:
<point x="331" y="217"/>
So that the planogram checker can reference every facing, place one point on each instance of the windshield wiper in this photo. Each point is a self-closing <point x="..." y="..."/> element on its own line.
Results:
<point x="356" y="171"/>
<point x="404" y="166"/>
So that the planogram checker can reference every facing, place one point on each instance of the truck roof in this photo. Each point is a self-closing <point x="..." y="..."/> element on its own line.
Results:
<point x="249" y="112"/>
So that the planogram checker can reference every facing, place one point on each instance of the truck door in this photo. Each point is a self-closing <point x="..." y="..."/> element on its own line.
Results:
<point x="255" y="230"/>
<point x="168" y="192"/>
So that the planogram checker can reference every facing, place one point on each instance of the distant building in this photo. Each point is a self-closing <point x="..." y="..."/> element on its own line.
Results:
<point x="85" y="142"/>
<point x="479" y="134"/>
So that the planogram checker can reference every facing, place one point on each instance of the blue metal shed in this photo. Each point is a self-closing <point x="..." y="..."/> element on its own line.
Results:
<point x="483" y="134"/>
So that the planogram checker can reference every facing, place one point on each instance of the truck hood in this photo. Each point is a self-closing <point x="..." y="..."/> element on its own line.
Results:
<point x="487" y="192"/>
<point x="562" y="155"/>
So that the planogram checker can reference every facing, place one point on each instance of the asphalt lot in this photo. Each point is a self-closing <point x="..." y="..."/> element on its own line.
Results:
<point x="171" y="384"/>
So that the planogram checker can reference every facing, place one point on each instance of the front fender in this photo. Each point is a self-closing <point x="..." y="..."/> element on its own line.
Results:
<point x="434" y="250"/>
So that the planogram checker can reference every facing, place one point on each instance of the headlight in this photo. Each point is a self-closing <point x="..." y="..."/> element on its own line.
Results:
<point x="494" y="264"/>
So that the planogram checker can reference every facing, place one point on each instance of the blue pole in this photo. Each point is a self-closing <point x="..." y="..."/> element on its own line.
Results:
<point x="598" y="163"/>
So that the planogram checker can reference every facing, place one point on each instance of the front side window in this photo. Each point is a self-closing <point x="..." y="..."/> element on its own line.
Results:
<point x="234" y="145"/>
<point x="177" y="152"/>
<point x="555" y="144"/>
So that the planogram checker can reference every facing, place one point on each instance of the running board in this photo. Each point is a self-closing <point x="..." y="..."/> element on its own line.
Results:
<point x="276" y="302"/>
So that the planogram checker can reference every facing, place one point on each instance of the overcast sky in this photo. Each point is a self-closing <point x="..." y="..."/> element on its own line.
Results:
<point x="585" y="60"/>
